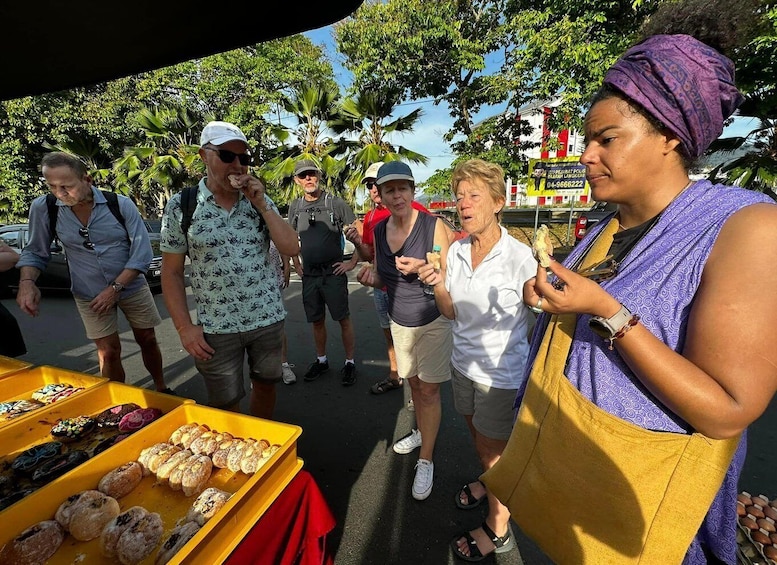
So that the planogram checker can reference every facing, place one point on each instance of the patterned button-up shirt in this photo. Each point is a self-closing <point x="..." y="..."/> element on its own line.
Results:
<point x="232" y="275"/>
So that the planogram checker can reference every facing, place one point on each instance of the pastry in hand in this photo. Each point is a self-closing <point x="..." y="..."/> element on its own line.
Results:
<point x="542" y="247"/>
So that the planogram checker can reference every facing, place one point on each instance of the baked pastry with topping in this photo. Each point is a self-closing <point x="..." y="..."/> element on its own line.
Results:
<point x="73" y="429"/>
<point x="65" y="511"/>
<point x="58" y="465"/>
<point x="177" y="539"/>
<point x="29" y="459"/>
<point x="122" y="480"/>
<point x="140" y="540"/>
<point x="110" y="417"/>
<point x="197" y="471"/>
<point x="35" y="545"/>
<point x="113" y="529"/>
<point x="207" y="505"/>
<point x="138" y="419"/>
<point x="88" y="518"/>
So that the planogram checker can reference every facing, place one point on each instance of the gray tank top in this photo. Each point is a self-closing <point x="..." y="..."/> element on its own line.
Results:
<point x="408" y="305"/>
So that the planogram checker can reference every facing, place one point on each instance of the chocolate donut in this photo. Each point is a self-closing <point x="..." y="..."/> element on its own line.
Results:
<point x="110" y="417"/>
<point x="108" y="442"/>
<point x="59" y="465"/>
<point x="31" y="458"/>
<point x="73" y="429"/>
<point x="35" y="545"/>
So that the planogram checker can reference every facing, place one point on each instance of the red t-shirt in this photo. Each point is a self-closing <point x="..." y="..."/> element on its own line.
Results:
<point x="377" y="215"/>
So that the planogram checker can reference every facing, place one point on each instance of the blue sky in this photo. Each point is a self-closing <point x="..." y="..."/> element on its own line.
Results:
<point x="427" y="138"/>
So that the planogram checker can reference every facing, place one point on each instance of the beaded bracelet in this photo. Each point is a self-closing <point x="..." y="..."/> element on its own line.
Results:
<point x="621" y="332"/>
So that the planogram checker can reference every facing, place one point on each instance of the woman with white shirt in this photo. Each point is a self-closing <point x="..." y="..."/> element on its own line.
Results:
<point x="483" y="295"/>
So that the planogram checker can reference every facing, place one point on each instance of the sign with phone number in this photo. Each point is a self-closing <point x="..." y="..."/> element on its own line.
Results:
<point x="556" y="176"/>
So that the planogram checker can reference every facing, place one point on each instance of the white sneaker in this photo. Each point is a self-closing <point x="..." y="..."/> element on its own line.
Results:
<point x="424" y="479"/>
<point x="289" y="378"/>
<point x="408" y="443"/>
<point x="410" y="406"/>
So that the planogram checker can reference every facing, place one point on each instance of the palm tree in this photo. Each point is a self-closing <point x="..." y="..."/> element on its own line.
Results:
<point x="368" y="117"/>
<point x="756" y="169"/>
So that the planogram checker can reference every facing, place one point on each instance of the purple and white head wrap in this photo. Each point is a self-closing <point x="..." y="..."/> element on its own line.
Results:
<point x="677" y="79"/>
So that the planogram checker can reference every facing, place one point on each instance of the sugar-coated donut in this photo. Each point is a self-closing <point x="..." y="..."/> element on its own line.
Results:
<point x="207" y="504"/>
<point x="198" y="469"/>
<point x="235" y="454"/>
<point x="191" y="434"/>
<point x="166" y="469"/>
<point x="177" y="539"/>
<point x="175" y="437"/>
<point x="219" y="457"/>
<point x="161" y="456"/>
<point x="88" y="519"/>
<point x="35" y="545"/>
<point x="113" y="529"/>
<point x="140" y="540"/>
<point x="64" y="513"/>
<point x="122" y="480"/>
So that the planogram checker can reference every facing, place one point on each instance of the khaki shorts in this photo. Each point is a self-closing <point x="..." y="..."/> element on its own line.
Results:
<point x="139" y="308"/>
<point x="491" y="408"/>
<point x="424" y="351"/>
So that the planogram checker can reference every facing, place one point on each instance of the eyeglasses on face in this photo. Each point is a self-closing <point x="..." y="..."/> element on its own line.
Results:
<point x="84" y="232"/>
<point x="227" y="156"/>
<point x="370" y="184"/>
<point x="306" y="174"/>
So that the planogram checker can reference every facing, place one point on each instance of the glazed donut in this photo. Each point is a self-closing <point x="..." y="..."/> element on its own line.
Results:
<point x="166" y="469"/>
<point x="73" y="429"/>
<point x="198" y="469"/>
<point x="138" y="419"/>
<point x="47" y="393"/>
<point x="87" y="519"/>
<point x="122" y="480"/>
<point x="177" y="539"/>
<point x="113" y="529"/>
<point x="140" y="540"/>
<point x="35" y="545"/>
<point x="110" y="417"/>
<point x="30" y="458"/>
<point x="207" y="504"/>
<point x="64" y="513"/>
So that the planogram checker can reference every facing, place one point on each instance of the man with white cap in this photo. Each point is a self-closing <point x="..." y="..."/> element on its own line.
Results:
<point x="239" y="306"/>
<point x="319" y="218"/>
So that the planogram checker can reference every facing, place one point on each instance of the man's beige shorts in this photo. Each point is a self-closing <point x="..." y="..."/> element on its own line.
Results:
<point x="139" y="308"/>
<point x="424" y="351"/>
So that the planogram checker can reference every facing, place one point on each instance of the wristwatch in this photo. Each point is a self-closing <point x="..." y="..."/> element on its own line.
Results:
<point x="117" y="286"/>
<point x="608" y="328"/>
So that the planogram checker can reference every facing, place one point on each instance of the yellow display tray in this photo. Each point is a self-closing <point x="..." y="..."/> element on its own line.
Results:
<point x="213" y="543"/>
<point x="9" y="365"/>
<point x="23" y="433"/>
<point x="21" y="385"/>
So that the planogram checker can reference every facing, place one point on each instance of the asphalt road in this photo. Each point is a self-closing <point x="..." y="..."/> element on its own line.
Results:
<point x="348" y="433"/>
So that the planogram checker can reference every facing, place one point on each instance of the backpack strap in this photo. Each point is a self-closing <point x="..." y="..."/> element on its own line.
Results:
<point x="188" y="205"/>
<point x="294" y="212"/>
<point x="110" y="197"/>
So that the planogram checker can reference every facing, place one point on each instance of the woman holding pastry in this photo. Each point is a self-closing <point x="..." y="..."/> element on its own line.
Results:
<point x="483" y="295"/>
<point x="655" y="350"/>
<point x="421" y="335"/>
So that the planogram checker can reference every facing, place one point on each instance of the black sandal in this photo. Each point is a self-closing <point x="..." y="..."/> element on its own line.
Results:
<point x="501" y="544"/>
<point x="472" y="502"/>
<point x="385" y="386"/>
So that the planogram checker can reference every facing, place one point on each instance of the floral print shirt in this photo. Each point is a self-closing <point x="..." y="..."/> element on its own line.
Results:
<point x="233" y="277"/>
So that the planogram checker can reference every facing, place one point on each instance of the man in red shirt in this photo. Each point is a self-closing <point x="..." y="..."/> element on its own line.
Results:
<point x="365" y="250"/>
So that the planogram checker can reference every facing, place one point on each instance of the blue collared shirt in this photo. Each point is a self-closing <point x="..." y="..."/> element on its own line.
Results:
<point x="115" y="248"/>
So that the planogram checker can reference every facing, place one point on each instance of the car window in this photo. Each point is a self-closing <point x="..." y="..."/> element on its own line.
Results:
<point x="12" y="238"/>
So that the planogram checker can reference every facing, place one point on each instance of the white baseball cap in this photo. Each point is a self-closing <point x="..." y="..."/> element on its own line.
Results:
<point x="217" y="133"/>
<point x="372" y="170"/>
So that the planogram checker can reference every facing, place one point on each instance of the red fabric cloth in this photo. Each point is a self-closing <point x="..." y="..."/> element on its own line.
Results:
<point x="292" y="531"/>
<point x="381" y="213"/>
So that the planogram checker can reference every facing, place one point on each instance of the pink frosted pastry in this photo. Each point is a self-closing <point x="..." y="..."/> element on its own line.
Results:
<point x="138" y="418"/>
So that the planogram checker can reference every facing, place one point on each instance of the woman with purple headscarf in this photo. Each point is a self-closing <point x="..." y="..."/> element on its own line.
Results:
<point x="655" y="349"/>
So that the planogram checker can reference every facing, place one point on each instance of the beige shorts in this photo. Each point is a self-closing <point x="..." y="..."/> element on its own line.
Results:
<point x="424" y="351"/>
<point x="139" y="308"/>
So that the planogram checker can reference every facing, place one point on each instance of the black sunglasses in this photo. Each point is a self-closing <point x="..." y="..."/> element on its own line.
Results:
<point x="84" y="232"/>
<point x="305" y="174"/>
<point x="370" y="183"/>
<point x="228" y="156"/>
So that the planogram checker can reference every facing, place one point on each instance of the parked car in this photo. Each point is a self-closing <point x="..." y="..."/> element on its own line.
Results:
<point x="589" y="217"/>
<point x="56" y="276"/>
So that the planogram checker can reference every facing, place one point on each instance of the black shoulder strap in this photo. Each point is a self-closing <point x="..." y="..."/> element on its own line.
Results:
<point x="294" y="212"/>
<point x="188" y="205"/>
<point x="51" y="204"/>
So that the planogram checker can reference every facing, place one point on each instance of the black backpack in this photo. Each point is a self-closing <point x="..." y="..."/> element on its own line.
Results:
<point x="113" y="206"/>
<point x="189" y="205"/>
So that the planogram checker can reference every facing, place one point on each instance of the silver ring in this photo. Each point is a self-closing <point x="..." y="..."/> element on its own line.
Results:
<point x="538" y="308"/>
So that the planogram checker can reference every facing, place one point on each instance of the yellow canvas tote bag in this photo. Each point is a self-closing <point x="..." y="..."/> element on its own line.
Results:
<point x="588" y="487"/>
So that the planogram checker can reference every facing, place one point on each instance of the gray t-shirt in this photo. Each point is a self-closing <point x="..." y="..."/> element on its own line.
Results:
<point x="320" y="226"/>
